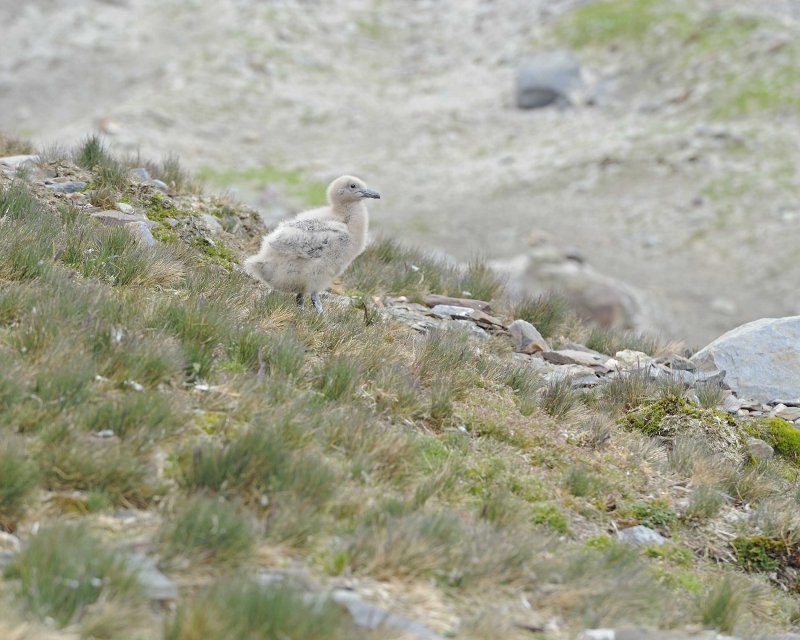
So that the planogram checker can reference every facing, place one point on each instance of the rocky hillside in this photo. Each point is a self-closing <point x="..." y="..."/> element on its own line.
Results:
<point x="672" y="170"/>
<point x="186" y="455"/>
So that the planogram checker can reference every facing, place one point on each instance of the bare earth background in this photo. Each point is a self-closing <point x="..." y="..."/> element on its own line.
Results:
<point x="679" y="174"/>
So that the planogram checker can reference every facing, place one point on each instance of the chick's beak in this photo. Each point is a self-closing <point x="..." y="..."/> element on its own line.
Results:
<point x="368" y="193"/>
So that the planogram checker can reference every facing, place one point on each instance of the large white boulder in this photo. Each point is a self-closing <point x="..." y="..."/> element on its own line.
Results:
<point x="761" y="359"/>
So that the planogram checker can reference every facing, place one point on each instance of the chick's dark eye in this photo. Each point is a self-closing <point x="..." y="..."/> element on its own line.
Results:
<point x="352" y="186"/>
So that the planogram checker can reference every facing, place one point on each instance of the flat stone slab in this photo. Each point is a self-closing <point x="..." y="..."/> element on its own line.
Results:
<point x="433" y="300"/>
<point x="573" y="356"/>
<point x="114" y="217"/>
<point x="17" y="161"/>
<point x="369" y="616"/>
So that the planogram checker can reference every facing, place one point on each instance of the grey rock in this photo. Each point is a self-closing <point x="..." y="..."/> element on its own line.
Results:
<point x="547" y="78"/>
<point x="125" y="207"/>
<point x="571" y="371"/>
<point x="731" y="403"/>
<point x="211" y="222"/>
<point x="710" y="377"/>
<point x="104" y="433"/>
<point x="142" y="173"/>
<point x="786" y="413"/>
<point x="471" y="327"/>
<point x="155" y="585"/>
<point x="434" y="299"/>
<point x="448" y="310"/>
<point x="142" y="231"/>
<point x="759" y="449"/>
<point x="761" y="358"/>
<point x="371" y="617"/>
<point x="571" y="356"/>
<point x="15" y="162"/>
<point x="526" y="338"/>
<point x="582" y="382"/>
<point x="687" y="377"/>
<point x="630" y="359"/>
<point x="71" y="186"/>
<point x="597" y="634"/>
<point x="682" y="364"/>
<point x="114" y="217"/>
<point x="640" y="535"/>
<point x="158" y="184"/>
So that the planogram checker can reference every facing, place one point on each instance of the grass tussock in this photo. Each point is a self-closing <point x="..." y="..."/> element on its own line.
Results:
<point x="388" y="267"/>
<point x="65" y="568"/>
<point x="208" y="530"/>
<point x="244" y="608"/>
<point x="18" y="478"/>
<point x="550" y="313"/>
<point x="440" y="545"/>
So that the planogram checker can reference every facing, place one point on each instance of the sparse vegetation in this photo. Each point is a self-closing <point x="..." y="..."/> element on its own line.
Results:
<point x="233" y="429"/>
<point x="64" y="569"/>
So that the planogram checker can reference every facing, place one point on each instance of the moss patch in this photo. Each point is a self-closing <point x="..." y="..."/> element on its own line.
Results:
<point x="760" y="553"/>
<point x="783" y="436"/>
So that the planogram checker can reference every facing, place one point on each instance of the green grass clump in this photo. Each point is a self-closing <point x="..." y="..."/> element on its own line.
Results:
<point x="550" y="313"/>
<point x="121" y="473"/>
<point x="112" y="254"/>
<point x="526" y="384"/>
<point x="199" y="325"/>
<point x="478" y="281"/>
<point x="242" y="608"/>
<point x="580" y="483"/>
<point x="145" y="414"/>
<point x="18" y="478"/>
<point x="558" y="397"/>
<point x="722" y="606"/>
<point x="64" y="568"/>
<point x="437" y="544"/>
<point x="269" y="460"/>
<point x="656" y="514"/>
<point x="387" y="267"/>
<point x="609" y="341"/>
<point x="338" y="378"/>
<point x="17" y="202"/>
<point x="209" y="530"/>
<point x="92" y="153"/>
<point x="551" y="516"/>
<point x="704" y="504"/>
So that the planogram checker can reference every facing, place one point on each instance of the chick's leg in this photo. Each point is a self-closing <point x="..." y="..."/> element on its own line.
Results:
<point x="317" y="303"/>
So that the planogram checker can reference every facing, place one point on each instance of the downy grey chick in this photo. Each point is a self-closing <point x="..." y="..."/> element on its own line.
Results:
<point x="304" y="255"/>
